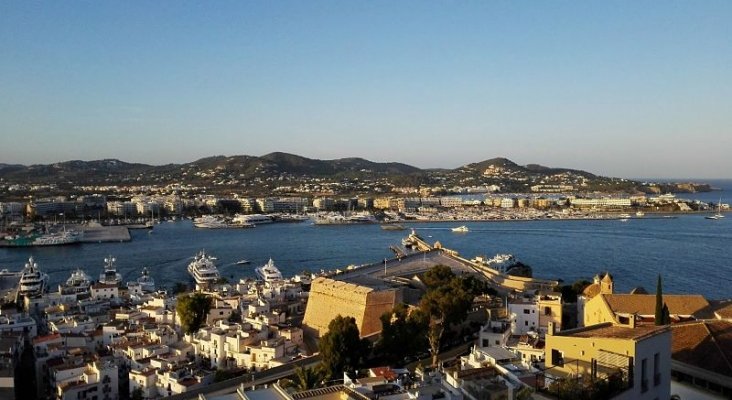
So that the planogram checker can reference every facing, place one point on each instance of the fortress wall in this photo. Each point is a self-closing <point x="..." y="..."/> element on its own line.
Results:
<point x="329" y="298"/>
<point x="377" y="303"/>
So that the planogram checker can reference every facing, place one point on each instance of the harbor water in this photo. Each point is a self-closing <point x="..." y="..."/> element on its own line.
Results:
<point x="694" y="255"/>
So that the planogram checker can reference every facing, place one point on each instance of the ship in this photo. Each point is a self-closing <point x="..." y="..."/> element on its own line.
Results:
<point x="252" y="219"/>
<point x="340" y="219"/>
<point x="203" y="270"/>
<point x="33" y="281"/>
<point x="213" y="222"/>
<point x="42" y="239"/>
<point x="268" y="272"/>
<point x="110" y="276"/>
<point x="461" y="229"/>
<point x="78" y="283"/>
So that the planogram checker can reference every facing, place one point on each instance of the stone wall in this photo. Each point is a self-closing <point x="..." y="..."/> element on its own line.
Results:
<point x="329" y="298"/>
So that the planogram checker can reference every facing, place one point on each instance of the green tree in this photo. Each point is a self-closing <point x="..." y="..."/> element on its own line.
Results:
<point x="445" y="305"/>
<point x="306" y="379"/>
<point x="659" y="302"/>
<point x="402" y="334"/>
<point x="137" y="394"/>
<point x="192" y="311"/>
<point x="437" y="276"/>
<point x="341" y="348"/>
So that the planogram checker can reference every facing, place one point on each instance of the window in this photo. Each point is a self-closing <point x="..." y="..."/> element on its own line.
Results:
<point x="497" y="342"/>
<point x="644" y="375"/>
<point x="656" y="369"/>
<point x="526" y="311"/>
<point x="526" y="323"/>
<point x="557" y="358"/>
<point x="547" y="311"/>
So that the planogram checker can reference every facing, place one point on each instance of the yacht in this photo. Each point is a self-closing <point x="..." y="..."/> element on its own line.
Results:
<point x="213" y="222"/>
<point x="110" y="276"/>
<point x="203" y="270"/>
<point x="32" y="280"/>
<point x="719" y="214"/>
<point x="147" y="283"/>
<point x="78" y="282"/>
<point x="639" y="213"/>
<point x="340" y="219"/>
<point x="252" y="219"/>
<point x="461" y="229"/>
<point x="268" y="272"/>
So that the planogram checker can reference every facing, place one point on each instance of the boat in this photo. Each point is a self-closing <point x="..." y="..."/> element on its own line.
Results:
<point x="461" y="229"/>
<point x="393" y="227"/>
<point x="79" y="282"/>
<point x="268" y="272"/>
<point x="147" y="283"/>
<point x="110" y="276"/>
<point x="213" y="222"/>
<point x="719" y="214"/>
<point x="340" y="219"/>
<point x="243" y="262"/>
<point x="624" y="216"/>
<point x="203" y="270"/>
<point x="639" y="213"/>
<point x="33" y="281"/>
<point x="251" y="219"/>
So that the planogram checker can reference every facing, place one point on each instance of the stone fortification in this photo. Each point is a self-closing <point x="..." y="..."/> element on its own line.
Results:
<point x="328" y="298"/>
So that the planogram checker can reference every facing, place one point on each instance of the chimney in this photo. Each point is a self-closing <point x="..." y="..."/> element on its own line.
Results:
<point x="550" y="329"/>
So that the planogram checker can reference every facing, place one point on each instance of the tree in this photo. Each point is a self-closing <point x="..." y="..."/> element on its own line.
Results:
<point x="341" y="348"/>
<point x="137" y="394"/>
<point x="445" y="304"/>
<point x="402" y="334"/>
<point x="192" y="311"/>
<point x="305" y="379"/>
<point x="659" y="302"/>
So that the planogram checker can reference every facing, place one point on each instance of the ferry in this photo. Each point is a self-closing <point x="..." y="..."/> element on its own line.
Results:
<point x="213" y="222"/>
<point x="268" y="272"/>
<point x="252" y="219"/>
<point x="33" y="281"/>
<point x="340" y="219"/>
<point x="110" y="276"/>
<point x="203" y="270"/>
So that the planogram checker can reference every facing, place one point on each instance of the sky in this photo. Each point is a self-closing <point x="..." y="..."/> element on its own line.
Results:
<point x="620" y="88"/>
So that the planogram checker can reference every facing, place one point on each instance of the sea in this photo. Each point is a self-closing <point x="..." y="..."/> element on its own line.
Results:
<point x="691" y="253"/>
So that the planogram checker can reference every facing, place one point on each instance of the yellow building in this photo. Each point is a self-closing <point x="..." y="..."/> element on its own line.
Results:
<point x="550" y="310"/>
<point x="619" y="308"/>
<point x="638" y="358"/>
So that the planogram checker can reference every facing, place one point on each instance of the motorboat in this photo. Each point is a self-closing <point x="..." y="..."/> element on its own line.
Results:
<point x="243" y="262"/>
<point x="461" y="229"/>
<point x="268" y="272"/>
<point x="110" y="276"/>
<point x="33" y="281"/>
<point x="203" y="270"/>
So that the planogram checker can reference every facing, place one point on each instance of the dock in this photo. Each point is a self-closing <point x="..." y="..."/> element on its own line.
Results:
<point x="100" y="234"/>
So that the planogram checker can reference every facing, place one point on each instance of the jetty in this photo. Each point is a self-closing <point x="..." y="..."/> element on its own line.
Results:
<point x="95" y="233"/>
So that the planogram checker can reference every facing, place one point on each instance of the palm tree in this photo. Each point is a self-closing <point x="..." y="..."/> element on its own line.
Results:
<point x="305" y="379"/>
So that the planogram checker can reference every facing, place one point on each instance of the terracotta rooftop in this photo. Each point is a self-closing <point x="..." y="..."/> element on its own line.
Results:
<point x="704" y="344"/>
<point x="608" y="330"/>
<point x="645" y="304"/>
<point x="591" y="290"/>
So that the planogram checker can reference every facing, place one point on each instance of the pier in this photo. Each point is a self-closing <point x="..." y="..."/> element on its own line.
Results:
<point x="99" y="234"/>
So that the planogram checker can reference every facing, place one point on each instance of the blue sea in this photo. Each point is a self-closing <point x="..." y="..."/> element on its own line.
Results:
<point x="694" y="255"/>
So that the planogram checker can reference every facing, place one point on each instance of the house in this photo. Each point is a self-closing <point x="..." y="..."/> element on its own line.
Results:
<point x="619" y="308"/>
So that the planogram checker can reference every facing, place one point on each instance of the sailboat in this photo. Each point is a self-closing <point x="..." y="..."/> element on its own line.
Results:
<point x="719" y="214"/>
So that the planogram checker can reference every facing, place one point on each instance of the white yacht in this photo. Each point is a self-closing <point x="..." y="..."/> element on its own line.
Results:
<point x="268" y="272"/>
<point x="461" y="229"/>
<point x="203" y="270"/>
<point x="33" y="281"/>
<point x="110" y="276"/>
<point x="252" y="219"/>
<point x="147" y="283"/>
<point x="78" y="282"/>
<point x="213" y="222"/>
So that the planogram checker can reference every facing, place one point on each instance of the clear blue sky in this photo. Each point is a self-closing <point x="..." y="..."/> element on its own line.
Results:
<point x="622" y="88"/>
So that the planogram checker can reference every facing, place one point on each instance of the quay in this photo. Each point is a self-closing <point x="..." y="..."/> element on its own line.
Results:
<point x="97" y="234"/>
